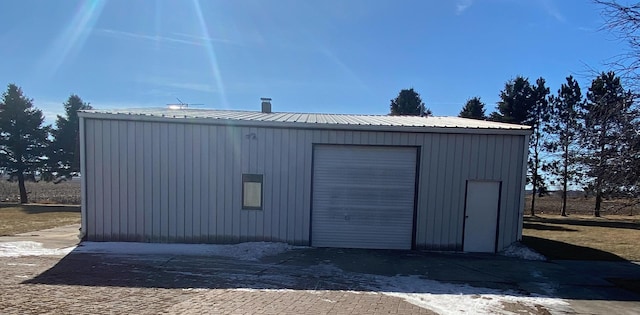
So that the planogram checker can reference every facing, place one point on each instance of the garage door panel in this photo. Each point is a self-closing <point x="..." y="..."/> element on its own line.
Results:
<point x="359" y="218"/>
<point x="347" y="236"/>
<point x="357" y="198"/>
<point x="354" y="208"/>
<point x="357" y="172"/>
<point x="363" y="196"/>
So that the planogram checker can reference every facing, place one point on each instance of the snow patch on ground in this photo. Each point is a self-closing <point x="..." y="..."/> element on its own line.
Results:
<point x="519" y="250"/>
<point x="447" y="298"/>
<point x="440" y="297"/>
<point x="242" y="251"/>
<point x="196" y="289"/>
<point x="29" y="248"/>
<point x="21" y="264"/>
<point x="265" y="290"/>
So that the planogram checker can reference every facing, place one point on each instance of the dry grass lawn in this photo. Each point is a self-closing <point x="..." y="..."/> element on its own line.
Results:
<point x="613" y="237"/>
<point x="580" y="235"/>
<point x="15" y="218"/>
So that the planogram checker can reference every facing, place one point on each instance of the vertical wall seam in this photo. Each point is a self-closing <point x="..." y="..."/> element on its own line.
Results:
<point x="83" y="179"/>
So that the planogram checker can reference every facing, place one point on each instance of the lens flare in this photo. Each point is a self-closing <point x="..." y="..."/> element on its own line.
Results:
<point x="211" y="54"/>
<point x="72" y="38"/>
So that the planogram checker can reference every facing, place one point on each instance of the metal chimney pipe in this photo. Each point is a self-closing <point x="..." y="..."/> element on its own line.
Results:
<point x="266" y="105"/>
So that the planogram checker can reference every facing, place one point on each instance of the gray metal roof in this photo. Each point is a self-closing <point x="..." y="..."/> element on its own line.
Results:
<point x="306" y="120"/>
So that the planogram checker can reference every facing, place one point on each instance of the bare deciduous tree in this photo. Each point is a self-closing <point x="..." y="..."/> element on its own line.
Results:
<point x="623" y="20"/>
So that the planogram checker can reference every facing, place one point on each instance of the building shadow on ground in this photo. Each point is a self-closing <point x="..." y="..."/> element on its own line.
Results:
<point x="357" y="270"/>
<point x="546" y="227"/>
<point x="602" y="222"/>
<point x="556" y="250"/>
<point x="41" y="208"/>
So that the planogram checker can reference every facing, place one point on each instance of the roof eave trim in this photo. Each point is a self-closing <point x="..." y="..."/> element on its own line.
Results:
<point x="302" y="125"/>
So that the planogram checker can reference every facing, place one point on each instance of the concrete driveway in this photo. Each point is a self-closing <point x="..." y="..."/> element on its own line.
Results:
<point x="311" y="281"/>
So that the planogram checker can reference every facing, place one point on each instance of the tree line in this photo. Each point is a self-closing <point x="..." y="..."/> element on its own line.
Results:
<point x="589" y="141"/>
<point x="30" y="150"/>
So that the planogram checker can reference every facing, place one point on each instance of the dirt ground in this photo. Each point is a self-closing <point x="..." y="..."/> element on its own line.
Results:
<point x="579" y="205"/>
<point x="67" y="192"/>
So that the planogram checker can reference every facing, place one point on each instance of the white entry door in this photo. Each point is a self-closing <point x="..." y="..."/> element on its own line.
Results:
<point x="481" y="216"/>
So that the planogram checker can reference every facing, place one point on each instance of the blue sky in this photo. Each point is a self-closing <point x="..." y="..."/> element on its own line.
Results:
<point x="309" y="56"/>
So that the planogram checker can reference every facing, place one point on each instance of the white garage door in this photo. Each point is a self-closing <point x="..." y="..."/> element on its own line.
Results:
<point x="363" y="196"/>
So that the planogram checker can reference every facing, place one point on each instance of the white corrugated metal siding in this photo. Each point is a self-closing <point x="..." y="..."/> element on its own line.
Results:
<point x="166" y="182"/>
<point x="181" y="182"/>
<point x="447" y="162"/>
<point x="363" y="196"/>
